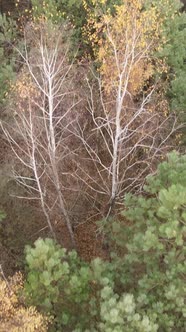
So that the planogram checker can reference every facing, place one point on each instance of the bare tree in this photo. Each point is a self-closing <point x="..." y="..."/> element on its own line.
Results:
<point x="113" y="144"/>
<point x="126" y="136"/>
<point x="38" y="135"/>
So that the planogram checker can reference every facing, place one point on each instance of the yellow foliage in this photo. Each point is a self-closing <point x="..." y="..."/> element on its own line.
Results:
<point x="124" y="44"/>
<point x="24" y="86"/>
<point x="14" y="316"/>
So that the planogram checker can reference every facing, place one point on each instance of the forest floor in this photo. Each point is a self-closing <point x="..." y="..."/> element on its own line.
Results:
<point x="24" y="223"/>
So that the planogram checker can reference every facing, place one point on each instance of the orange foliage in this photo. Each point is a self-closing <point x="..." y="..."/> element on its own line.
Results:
<point x="14" y="316"/>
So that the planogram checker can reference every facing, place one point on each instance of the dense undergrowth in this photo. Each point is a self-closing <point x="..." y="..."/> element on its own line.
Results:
<point x="92" y="95"/>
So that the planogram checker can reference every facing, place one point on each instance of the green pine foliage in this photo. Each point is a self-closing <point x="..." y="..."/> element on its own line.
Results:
<point x="174" y="51"/>
<point x="79" y="296"/>
<point x="75" y="14"/>
<point x="46" y="10"/>
<point x="154" y="241"/>
<point x="57" y="282"/>
<point x="8" y="34"/>
<point x="119" y="313"/>
<point x="2" y="215"/>
<point x="142" y="287"/>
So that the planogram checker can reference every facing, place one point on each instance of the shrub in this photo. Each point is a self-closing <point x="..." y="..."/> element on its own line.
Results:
<point x="14" y="316"/>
